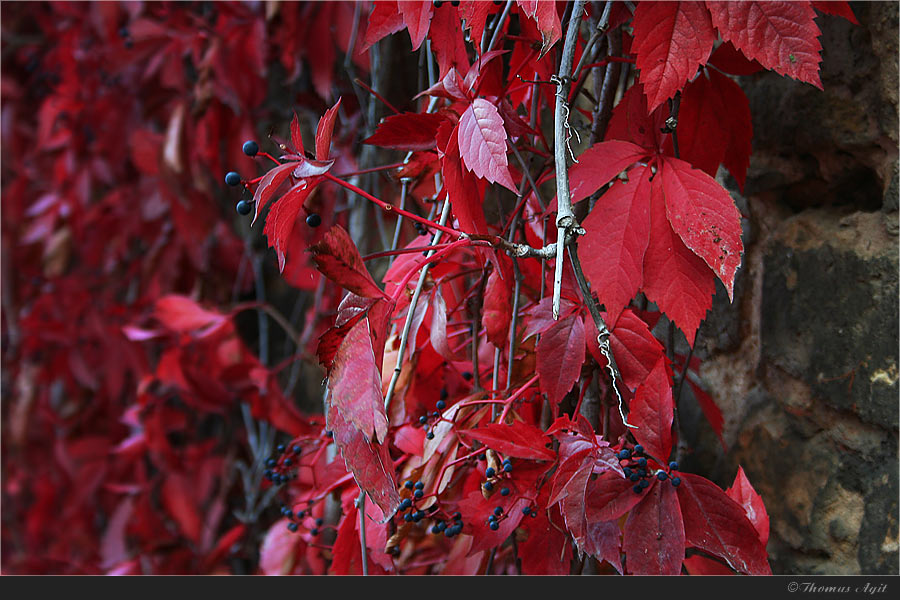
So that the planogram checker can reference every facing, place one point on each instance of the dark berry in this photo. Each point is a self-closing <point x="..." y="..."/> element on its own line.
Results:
<point x="494" y="525"/>
<point x="637" y="489"/>
<point x="642" y="462"/>
<point x="498" y="2"/>
<point x="408" y="517"/>
<point x="438" y="3"/>
<point x="467" y="376"/>
<point x="662" y="476"/>
<point x="329" y="433"/>
<point x="444" y="393"/>
<point x="279" y="448"/>
<point x="457" y="516"/>
<point x="676" y="481"/>
<point x="271" y="463"/>
<point x="507" y="467"/>
<point x="638" y="449"/>
<point x="624" y="454"/>
<point x="288" y="462"/>
<point x="442" y="525"/>
<point x="319" y="522"/>
<point x="489" y="486"/>
<point x="435" y="529"/>
<point x="498" y="511"/>
<point x="534" y="514"/>
<point x="405" y="504"/>
<point x="423" y="420"/>
<point x="409" y="484"/>
<point x="419" y="485"/>
<point x="313" y="220"/>
<point x="296" y="449"/>
<point x="454" y="2"/>
<point x="314" y="531"/>
<point x="418" y="494"/>
<point x="268" y="474"/>
<point x="292" y="527"/>
<point x="634" y="477"/>
<point x="644" y="483"/>
<point x="430" y="435"/>
<point x="301" y="514"/>
<point x="642" y="472"/>
<point x="123" y="32"/>
<point x="627" y="472"/>
<point x="250" y="148"/>
<point x="504" y="491"/>
<point x="489" y="472"/>
<point x="526" y="511"/>
<point x="673" y="465"/>
<point x="418" y="516"/>
<point x="441" y="405"/>
<point x="232" y="178"/>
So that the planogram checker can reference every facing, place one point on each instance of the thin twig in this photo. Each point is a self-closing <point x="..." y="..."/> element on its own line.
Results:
<point x="565" y="217"/>
<point x="498" y="27"/>
<point x="603" y="332"/>
<point x="404" y="336"/>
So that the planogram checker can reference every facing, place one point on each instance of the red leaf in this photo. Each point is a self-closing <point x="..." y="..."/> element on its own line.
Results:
<point x="837" y="8"/>
<point x="338" y="259"/>
<point x="652" y="412"/>
<point x="447" y="41"/>
<point x="632" y="122"/>
<point x="701" y="565"/>
<point x="715" y="523"/>
<point x="282" y="216"/>
<point x="296" y="136"/>
<point x="269" y="184"/>
<point x="544" y="551"/>
<point x="497" y="310"/>
<point x="617" y="234"/>
<point x="672" y="39"/>
<point x="655" y="533"/>
<point x="417" y="16"/>
<point x="610" y="497"/>
<point x="369" y="462"/>
<point x="737" y="156"/>
<point x="384" y="20"/>
<point x="710" y="410"/>
<point x="277" y="554"/>
<point x="324" y="132"/>
<point x="407" y="131"/>
<point x="560" y="353"/>
<point x="634" y="348"/>
<point x="438" y="332"/>
<point x="177" y="497"/>
<point x="547" y="19"/>
<point x="519" y="440"/>
<point x="475" y="14"/>
<point x="782" y="36"/>
<point x="675" y="278"/>
<point x="180" y="313"/>
<point x="704" y="216"/>
<point x="704" y="126"/>
<point x="482" y="143"/>
<point x="355" y="383"/>
<point x="462" y="189"/>
<point x="743" y="493"/>
<point x="729" y="59"/>
<point x="599" y="164"/>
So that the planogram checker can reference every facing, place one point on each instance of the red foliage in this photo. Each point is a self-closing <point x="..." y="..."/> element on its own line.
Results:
<point x="143" y="411"/>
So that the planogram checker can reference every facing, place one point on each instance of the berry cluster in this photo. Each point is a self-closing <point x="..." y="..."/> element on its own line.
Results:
<point x="245" y="207"/>
<point x="637" y="471"/>
<point x="278" y="466"/>
<point x="493" y="477"/>
<point x="450" y="530"/>
<point x="296" y="519"/>
<point x="424" y="419"/>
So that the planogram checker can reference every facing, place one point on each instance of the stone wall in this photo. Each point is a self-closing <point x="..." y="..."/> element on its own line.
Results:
<point x="804" y="363"/>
